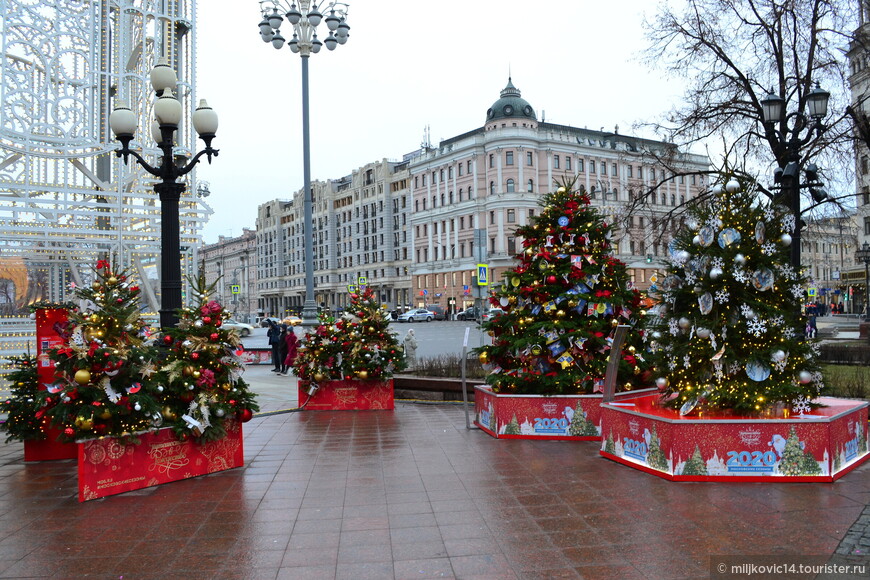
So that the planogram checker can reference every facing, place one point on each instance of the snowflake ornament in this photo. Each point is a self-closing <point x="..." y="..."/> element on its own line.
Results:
<point x="788" y="332"/>
<point x="777" y="320"/>
<point x="674" y="326"/>
<point x="801" y="405"/>
<point x="768" y="213"/>
<point x="717" y="370"/>
<point x="788" y="222"/>
<point x="687" y="361"/>
<point x="756" y="327"/>
<point x="734" y="368"/>
<point x="797" y="291"/>
<point x="722" y="296"/>
<point x="780" y="365"/>
<point x="691" y="278"/>
<point x="768" y="249"/>
<point x="745" y="310"/>
<point x="740" y="275"/>
<point x="672" y="364"/>
<point x="717" y="262"/>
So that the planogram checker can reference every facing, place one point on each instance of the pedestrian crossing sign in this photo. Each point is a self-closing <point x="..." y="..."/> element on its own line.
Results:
<point x="235" y="288"/>
<point x="482" y="275"/>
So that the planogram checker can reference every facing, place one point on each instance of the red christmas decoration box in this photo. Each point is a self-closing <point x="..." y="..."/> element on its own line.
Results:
<point x="556" y="417"/>
<point x="348" y="395"/>
<point x="821" y="444"/>
<point x="108" y="467"/>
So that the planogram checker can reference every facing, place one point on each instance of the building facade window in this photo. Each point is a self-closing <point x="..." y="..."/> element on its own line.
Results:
<point x="491" y="160"/>
<point x="555" y="162"/>
<point x="530" y="186"/>
<point x="580" y="166"/>
<point x="492" y="187"/>
<point x="511" y="216"/>
<point x="509" y="158"/>
<point x="529" y="158"/>
<point x="510" y="186"/>
<point x="567" y="164"/>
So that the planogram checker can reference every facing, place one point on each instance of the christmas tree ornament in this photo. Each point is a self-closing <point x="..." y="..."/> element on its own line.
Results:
<point x="739" y="259"/>
<point x="785" y="239"/>
<point x="82" y="376"/>
<point x="715" y="273"/>
<point x="684" y="323"/>
<point x="777" y="355"/>
<point x="805" y="377"/>
<point x="702" y="332"/>
<point x="733" y="186"/>
<point x="112" y="281"/>
<point x="662" y="382"/>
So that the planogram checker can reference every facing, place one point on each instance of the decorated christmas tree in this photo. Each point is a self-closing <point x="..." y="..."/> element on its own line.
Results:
<point x="655" y="456"/>
<point x="102" y="385"/>
<point x="359" y="345"/>
<point x="580" y="425"/>
<point x="730" y="334"/>
<point x="25" y="406"/>
<point x="201" y="385"/>
<point x="562" y="304"/>
<point x="796" y="461"/>
<point x="695" y="465"/>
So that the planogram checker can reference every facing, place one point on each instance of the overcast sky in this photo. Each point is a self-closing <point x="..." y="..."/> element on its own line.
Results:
<point x="408" y="65"/>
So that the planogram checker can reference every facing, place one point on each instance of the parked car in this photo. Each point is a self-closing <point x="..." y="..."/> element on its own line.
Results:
<point x="421" y="314"/>
<point x="470" y="313"/>
<point x="439" y="312"/>
<point x="264" y="323"/>
<point x="292" y="321"/>
<point x="240" y="327"/>
<point x="491" y="313"/>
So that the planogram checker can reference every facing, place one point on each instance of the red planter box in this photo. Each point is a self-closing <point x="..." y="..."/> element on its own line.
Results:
<point x="822" y="445"/>
<point x="556" y="417"/>
<point x="354" y="395"/>
<point x="107" y="467"/>
<point x="49" y="449"/>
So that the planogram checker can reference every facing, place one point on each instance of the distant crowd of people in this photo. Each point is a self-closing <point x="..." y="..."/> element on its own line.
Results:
<point x="816" y="309"/>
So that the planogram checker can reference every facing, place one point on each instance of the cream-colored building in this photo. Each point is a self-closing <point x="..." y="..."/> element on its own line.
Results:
<point x="230" y="264"/>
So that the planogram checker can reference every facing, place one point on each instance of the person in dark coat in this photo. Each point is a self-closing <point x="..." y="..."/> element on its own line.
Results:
<point x="292" y="348"/>
<point x="274" y="336"/>
<point x="282" y="347"/>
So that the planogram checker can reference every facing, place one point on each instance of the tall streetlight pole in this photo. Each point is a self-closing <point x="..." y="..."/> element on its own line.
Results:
<point x="305" y="20"/>
<point x="167" y="111"/>
<point x="863" y="255"/>
<point x="784" y="133"/>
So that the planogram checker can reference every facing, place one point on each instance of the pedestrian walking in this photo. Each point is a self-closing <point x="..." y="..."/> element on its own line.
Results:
<point x="274" y="336"/>
<point x="291" y="342"/>
<point x="410" y="345"/>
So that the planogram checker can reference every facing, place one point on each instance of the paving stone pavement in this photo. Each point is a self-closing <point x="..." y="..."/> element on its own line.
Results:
<point x="411" y="493"/>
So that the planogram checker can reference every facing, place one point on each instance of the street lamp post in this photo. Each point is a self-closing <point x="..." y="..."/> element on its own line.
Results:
<point x="784" y="134"/>
<point x="305" y="20"/>
<point x="167" y="111"/>
<point x="863" y="255"/>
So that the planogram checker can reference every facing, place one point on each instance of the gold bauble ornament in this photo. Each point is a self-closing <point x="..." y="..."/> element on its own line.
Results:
<point x="95" y="285"/>
<point x="371" y="328"/>
<point x="94" y="318"/>
<point x="195" y="374"/>
<point x="363" y="374"/>
<point x="106" y="415"/>
<point x="226" y="386"/>
<point x="572" y="304"/>
<point x="168" y="413"/>
<point x="560" y="190"/>
<point x="318" y="377"/>
<point x="560" y="313"/>
<point x="84" y="423"/>
<point x="112" y="281"/>
<point x="512" y="299"/>
<point x="187" y="371"/>
<point x="529" y="251"/>
<point x="631" y="349"/>
<point x="483" y="357"/>
<point x="82" y="376"/>
<point x="614" y="323"/>
<point x="536" y="350"/>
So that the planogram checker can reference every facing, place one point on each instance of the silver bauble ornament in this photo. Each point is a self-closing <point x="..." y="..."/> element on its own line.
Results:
<point x="717" y="189"/>
<point x="785" y="239"/>
<point x="805" y="376"/>
<point x="661" y="382"/>
<point x="703" y="332"/>
<point x="684" y="323"/>
<point x="715" y="273"/>
<point x="696" y="240"/>
<point x="220" y="412"/>
<point x="656" y="334"/>
<point x="733" y="186"/>
<point x="740" y="259"/>
<point x="777" y="356"/>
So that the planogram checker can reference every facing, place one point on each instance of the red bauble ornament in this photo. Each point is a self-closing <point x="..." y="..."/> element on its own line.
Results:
<point x="551" y="279"/>
<point x="214" y="336"/>
<point x="167" y="339"/>
<point x="119" y="300"/>
<point x="218" y="322"/>
<point x="245" y="415"/>
<point x="232" y="402"/>
<point x="69" y="431"/>
<point x="206" y="319"/>
<point x="194" y="355"/>
<point x="186" y="396"/>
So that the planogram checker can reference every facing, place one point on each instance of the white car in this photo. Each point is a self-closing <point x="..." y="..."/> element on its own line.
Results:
<point x="420" y="314"/>
<point x="240" y="327"/>
<point x="491" y="313"/>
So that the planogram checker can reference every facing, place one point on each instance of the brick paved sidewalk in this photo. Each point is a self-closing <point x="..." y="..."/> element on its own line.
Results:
<point x="409" y="494"/>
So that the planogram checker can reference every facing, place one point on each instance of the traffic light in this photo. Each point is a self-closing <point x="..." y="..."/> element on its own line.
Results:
<point x="649" y="258"/>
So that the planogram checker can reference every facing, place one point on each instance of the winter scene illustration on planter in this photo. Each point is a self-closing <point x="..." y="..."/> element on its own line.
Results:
<point x="739" y="379"/>
<point x="562" y="303"/>
<point x="111" y="387"/>
<point x="348" y="363"/>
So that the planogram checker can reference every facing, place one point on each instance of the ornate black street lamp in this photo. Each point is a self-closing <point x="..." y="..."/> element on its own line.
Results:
<point x="305" y="20"/>
<point x="783" y="132"/>
<point x="863" y="255"/>
<point x="167" y="111"/>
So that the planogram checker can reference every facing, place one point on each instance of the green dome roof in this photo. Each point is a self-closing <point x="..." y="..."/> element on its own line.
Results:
<point x="511" y="105"/>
